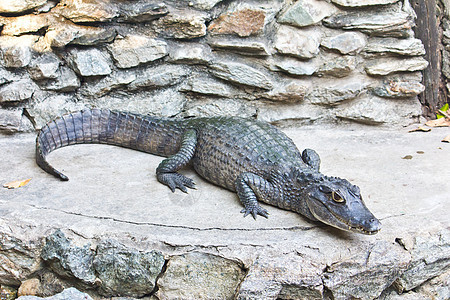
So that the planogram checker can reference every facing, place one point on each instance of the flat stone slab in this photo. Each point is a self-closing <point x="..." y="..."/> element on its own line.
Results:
<point x="113" y="193"/>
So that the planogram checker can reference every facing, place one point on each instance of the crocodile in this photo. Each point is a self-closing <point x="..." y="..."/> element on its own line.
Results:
<point x="252" y="158"/>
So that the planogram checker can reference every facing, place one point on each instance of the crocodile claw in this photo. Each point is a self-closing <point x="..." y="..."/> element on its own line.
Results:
<point x="254" y="211"/>
<point x="176" y="181"/>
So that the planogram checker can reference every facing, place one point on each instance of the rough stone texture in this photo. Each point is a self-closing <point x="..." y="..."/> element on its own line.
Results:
<point x="306" y="12"/>
<point x="186" y="25"/>
<point x="16" y="52"/>
<point x="245" y="22"/>
<point x="89" y="62"/>
<point x="284" y="257"/>
<point x="17" y="6"/>
<point x="298" y="43"/>
<point x="346" y="43"/>
<point x="335" y="95"/>
<point x="70" y="293"/>
<point x="357" y="3"/>
<point x="398" y="89"/>
<point x="409" y="47"/>
<point x="134" y="50"/>
<point x="13" y="121"/>
<point x="17" y="91"/>
<point x="385" y="66"/>
<point x="241" y="74"/>
<point x="378" y="23"/>
<point x="77" y="49"/>
<point x="67" y="260"/>
<point x="126" y="272"/>
<point x="200" y="276"/>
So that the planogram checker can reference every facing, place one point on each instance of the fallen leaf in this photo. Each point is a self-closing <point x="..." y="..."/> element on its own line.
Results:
<point x="420" y="128"/>
<point x="16" y="184"/>
<point x="407" y="157"/>
<point x="446" y="139"/>
<point x="443" y="111"/>
<point x="442" y="122"/>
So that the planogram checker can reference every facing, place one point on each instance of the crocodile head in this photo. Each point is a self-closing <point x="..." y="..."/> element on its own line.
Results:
<point x="338" y="203"/>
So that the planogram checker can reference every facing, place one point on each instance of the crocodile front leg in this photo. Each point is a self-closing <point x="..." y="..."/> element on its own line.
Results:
<point x="166" y="172"/>
<point x="251" y="187"/>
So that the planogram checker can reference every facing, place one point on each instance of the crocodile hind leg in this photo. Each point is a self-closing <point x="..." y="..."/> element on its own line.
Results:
<point x="166" y="172"/>
<point x="251" y="187"/>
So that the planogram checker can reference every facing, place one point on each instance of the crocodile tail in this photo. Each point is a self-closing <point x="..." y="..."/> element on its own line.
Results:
<point x="102" y="126"/>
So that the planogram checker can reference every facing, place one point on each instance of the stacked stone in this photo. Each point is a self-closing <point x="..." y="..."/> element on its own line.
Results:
<point x="308" y="61"/>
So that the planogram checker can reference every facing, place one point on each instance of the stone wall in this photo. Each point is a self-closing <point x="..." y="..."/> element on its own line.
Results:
<point x="282" y="61"/>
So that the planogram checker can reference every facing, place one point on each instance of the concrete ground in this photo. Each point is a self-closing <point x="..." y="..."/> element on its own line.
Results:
<point x="113" y="192"/>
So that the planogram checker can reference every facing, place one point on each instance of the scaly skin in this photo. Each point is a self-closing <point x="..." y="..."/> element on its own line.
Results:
<point x="252" y="158"/>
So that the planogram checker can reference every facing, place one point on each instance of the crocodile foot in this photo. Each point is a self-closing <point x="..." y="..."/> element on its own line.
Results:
<point x="176" y="181"/>
<point x="254" y="211"/>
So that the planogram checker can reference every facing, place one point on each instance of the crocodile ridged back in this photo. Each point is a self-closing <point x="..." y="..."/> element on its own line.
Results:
<point x="144" y="133"/>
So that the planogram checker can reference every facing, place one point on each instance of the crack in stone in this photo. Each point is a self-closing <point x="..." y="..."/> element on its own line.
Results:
<point x="293" y="228"/>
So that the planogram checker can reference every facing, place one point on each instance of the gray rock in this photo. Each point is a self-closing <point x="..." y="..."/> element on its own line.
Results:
<point x="290" y="114"/>
<point x="141" y="11"/>
<point x="243" y="22"/>
<point x="66" y="81"/>
<point x="13" y="121"/>
<point x="394" y="24"/>
<point x="378" y="268"/>
<point x="385" y="66"/>
<point x="204" y="4"/>
<point x="191" y="54"/>
<point x="160" y="76"/>
<point x="20" y="258"/>
<point x="89" y="62"/>
<point x="306" y="12"/>
<point x="21" y="25"/>
<point x="335" y="95"/>
<point x="376" y="111"/>
<point x="430" y="258"/>
<point x="166" y="103"/>
<point x="67" y="294"/>
<point x="211" y="107"/>
<point x="299" y="43"/>
<point x="134" y="50"/>
<point x="241" y="74"/>
<point x="409" y="47"/>
<point x="346" y="43"/>
<point x="206" y="86"/>
<point x="126" y="272"/>
<point x="44" y="67"/>
<point x="245" y="47"/>
<point x="358" y="3"/>
<point x="19" y="90"/>
<point x="398" y="89"/>
<point x="436" y="288"/>
<point x="67" y="260"/>
<point x="118" y="79"/>
<point x="98" y="11"/>
<point x="47" y="106"/>
<point x="200" y="276"/>
<point x="296" y="67"/>
<point x="18" y="6"/>
<point x="16" y="52"/>
<point x="62" y="33"/>
<point x="291" y="92"/>
<point x="182" y="25"/>
<point x="338" y="66"/>
<point x="287" y="277"/>
<point x="6" y="76"/>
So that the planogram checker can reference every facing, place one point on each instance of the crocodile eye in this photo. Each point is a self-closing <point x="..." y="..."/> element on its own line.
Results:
<point x="336" y="197"/>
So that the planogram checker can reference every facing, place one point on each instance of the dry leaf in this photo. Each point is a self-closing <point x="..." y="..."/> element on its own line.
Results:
<point x="16" y="184"/>
<point x="446" y="139"/>
<point x="420" y="128"/>
<point x="442" y="122"/>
